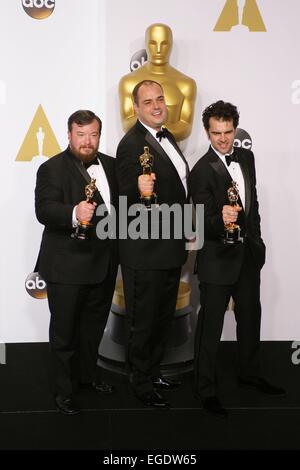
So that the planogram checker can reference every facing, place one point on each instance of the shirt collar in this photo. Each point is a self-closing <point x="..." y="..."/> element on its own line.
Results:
<point x="151" y="130"/>
<point x="221" y="155"/>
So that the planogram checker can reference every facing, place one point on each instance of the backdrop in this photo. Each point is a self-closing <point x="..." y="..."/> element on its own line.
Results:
<point x="59" y="56"/>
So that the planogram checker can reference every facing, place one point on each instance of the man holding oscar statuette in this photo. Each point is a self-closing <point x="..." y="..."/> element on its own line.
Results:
<point x="78" y="266"/>
<point x="151" y="171"/>
<point x="229" y="263"/>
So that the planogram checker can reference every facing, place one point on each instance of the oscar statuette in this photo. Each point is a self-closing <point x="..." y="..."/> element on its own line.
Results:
<point x="83" y="227"/>
<point x="146" y="161"/>
<point x="232" y="230"/>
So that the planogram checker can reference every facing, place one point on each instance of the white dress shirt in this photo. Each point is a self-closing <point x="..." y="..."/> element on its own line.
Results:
<point x="236" y="174"/>
<point x="174" y="156"/>
<point x="97" y="172"/>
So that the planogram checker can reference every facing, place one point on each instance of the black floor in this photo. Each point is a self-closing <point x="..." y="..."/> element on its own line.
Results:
<point x="29" y="420"/>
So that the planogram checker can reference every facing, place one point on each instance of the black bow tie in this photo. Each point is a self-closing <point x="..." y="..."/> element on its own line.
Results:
<point x="231" y="158"/>
<point x="92" y="162"/>
<point x="162" y="133"/>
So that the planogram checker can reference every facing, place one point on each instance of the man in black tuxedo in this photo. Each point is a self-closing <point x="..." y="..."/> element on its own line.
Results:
<point x="227" y="270"/>
<point x="151" y="267"/>
<point x="80" y="274"/>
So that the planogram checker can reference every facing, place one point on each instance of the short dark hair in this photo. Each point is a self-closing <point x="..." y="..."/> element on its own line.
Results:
<point x="83" y="117"/>
<point x="138" y="86"/>
<point x="221" y="111"/>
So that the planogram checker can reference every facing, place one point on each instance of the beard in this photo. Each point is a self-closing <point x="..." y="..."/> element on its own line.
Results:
<point x="84" y="153"/>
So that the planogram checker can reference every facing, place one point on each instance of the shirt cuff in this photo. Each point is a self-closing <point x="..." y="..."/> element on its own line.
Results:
<point x="74" y="219"/>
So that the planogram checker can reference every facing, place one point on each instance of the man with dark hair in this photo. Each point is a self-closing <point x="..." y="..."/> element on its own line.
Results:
<point x="83" y="117"/>
<point x="221" y="111"/>
<point x="151" y="267"/>
<point x="227" y="269"/>
<point x="80" y="273"/>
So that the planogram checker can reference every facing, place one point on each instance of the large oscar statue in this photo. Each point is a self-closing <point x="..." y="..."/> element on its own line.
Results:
<point x="179" y="89"/>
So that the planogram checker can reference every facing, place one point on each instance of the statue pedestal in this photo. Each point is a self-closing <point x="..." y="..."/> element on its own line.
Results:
<point x="178" y="357"/>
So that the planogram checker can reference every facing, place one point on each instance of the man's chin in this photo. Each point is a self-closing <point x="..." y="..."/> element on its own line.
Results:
<point x="158" y="124"/>
<point x="88" y="151"/>
<point x="224" y="151"/>
<point x="86" y="155"/>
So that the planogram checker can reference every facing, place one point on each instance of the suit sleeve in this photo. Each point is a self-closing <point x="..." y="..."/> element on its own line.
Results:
<point x="255" y="223"/>
<point x="128" y="169"/>
<point x="202" y="192"/>
<point x="49" y="199"/>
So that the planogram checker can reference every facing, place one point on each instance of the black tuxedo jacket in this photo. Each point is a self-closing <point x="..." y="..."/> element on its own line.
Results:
<point x="150" y="253"/>
<point x="208" y="184"/>
<point x="60" y="186"/>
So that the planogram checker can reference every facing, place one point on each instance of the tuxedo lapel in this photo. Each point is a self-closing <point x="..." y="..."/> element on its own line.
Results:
<point x="158" y="148"/>
<point x="218" y="166"/>
<point x="177" y="148"/>
<point x="153" y="142"/>
<point x="76" y="164"/>
<point x="222" y="171"/>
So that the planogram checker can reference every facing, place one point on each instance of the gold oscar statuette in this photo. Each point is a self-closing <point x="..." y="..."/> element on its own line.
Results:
<point x="146" y="161"/>
<point x="83" y="227"/>
<point x="232" y="230"/>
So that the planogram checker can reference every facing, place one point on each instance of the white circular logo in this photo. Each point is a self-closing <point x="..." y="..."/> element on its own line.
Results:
<point x="138" y="59"/>
<point x="242" y="139"/>
<point x="38" y="9"/>
<point x="36" y="286"/>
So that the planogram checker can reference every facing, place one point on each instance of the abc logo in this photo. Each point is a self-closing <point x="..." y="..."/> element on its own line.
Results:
<point x="36" y="286"/>
<point x="138" y="59"/>
<point x="242" y="139"/>
<point x="38" y="9"/>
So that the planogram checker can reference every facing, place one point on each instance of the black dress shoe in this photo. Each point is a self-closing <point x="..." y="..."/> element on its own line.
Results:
<point x="260" y="384"/>
<point x="103" y="388"/>
<point x="213" y="405"/>
<point x="162" y="383"/>
<point x="154" y="399"/>
<point x="66" y="405"/>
